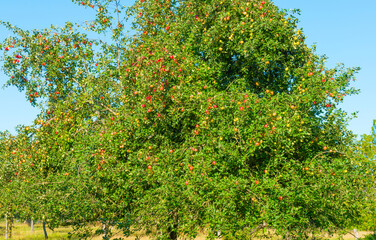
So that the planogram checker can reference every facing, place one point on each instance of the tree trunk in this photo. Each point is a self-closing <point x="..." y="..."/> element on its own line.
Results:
<point x="356" y="234"/>
<point x="44" y="229"/>
<point x="173" y="235"/>
<point x="31" y="225"/>
<point x="104" y="228"/>
<point x="10" y="225"/>
<point x="173" y="229"/>
<point x="6" y="226"/>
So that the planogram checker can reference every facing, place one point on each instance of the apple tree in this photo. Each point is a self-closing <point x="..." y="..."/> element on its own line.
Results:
<point x="213" y="116"/>
<point x="367" y="152"/>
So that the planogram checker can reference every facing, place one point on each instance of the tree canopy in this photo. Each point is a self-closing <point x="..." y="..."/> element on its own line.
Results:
<point x="211" y="116"/>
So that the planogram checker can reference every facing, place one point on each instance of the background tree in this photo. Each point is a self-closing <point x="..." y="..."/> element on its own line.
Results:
<point x="367" y="152"/>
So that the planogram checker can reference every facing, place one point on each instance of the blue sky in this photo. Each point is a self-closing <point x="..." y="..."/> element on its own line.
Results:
<point x="345" y="31"/>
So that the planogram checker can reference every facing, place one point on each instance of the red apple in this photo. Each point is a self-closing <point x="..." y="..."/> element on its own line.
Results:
<point x="256" y="182"/>
<point x="214" y="162"/>
<point x="186" y="183"/>
<point x="280" y="198"/>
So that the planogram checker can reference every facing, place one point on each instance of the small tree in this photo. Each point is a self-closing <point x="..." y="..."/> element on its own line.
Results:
<point x="367" y="152"/>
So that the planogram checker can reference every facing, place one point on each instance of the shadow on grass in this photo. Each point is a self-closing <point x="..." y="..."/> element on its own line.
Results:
<point x="369" y="237"/>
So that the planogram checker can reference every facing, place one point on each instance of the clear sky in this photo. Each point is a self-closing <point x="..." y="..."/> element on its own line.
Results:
<point x="343" y="30"/>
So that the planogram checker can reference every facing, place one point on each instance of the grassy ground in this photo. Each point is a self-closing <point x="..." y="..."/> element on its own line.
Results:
<point x="22" y="231"/>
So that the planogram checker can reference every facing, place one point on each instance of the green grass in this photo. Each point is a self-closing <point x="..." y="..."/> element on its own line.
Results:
<point x="22" y="231"/>
<point x="369" y="237"/>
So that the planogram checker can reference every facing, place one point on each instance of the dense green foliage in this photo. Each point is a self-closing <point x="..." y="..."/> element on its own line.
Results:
<point x="367" y="150"/>
<point x="215" y="115"/>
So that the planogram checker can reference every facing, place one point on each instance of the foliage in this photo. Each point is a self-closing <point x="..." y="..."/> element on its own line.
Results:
<point x="367" y="151"/>
<point x="214" y="114"/>
<point x="370" y="237"/>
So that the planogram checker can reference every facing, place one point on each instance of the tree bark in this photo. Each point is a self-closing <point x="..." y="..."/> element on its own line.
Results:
<point x="31" y="225"/>
<point x="44" y="229"/>
<point x="356" y="233"/>
<point x="173" y="235"/>
<point x="173" y="229"/>
<point x="6" y="226"/>
<point x="104" y="228"/>
<point x="10" y="225"/>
